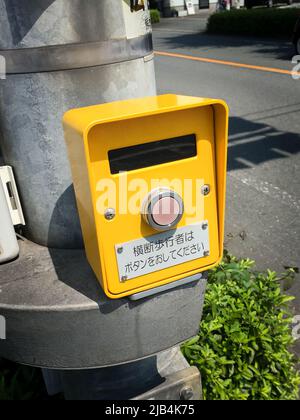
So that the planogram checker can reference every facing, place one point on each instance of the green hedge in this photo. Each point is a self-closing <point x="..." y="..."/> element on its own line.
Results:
<point x="155" y="16"/>
<point x="20" y="383"/>
<point x="243" y="347"/>
<point x="255" y="22"/>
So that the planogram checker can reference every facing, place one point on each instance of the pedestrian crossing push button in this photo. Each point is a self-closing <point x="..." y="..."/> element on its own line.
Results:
<point x="163" y="209"/>
<point x="150" y="180"/>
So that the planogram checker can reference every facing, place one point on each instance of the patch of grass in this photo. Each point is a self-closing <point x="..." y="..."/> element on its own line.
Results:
<point x="255" y="22"/>
<point x="155" y="16"/>
<point x="243" y="347"/>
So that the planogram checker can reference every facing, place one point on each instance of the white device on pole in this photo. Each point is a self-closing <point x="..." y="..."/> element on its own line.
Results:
<point x="9" y="248"/>
<point x="11" y="194"/>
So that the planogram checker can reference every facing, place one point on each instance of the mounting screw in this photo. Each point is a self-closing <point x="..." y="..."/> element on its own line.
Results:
<point x="204" y="226"/>
<point x="205" y="190"/>
<point x="120" y="250"/>
<point x="206" y="254"/>
<point x="124" y="278"/>
<point x="110" y="214"/>
<point x="186" y="393"/>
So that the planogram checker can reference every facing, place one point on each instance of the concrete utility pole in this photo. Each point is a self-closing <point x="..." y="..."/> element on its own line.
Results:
<point x="62" y="54"/>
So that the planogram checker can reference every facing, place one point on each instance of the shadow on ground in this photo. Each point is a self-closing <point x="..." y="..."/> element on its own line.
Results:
<point x="252" y="143"/>
<point x="270" y="48"/>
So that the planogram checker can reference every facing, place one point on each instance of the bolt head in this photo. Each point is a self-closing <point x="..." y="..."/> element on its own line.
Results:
<point x="206" y="254"/>
<point x="205" y="190"/>
<point x="124" y="278"/>
<point x="186" y="393"/>
<point x="204" y="226"/>
<point x="120" y="250"/>
<point x="110" y="214"/>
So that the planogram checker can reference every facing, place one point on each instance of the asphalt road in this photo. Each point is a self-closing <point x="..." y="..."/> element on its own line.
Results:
<point x="263" y="199"/>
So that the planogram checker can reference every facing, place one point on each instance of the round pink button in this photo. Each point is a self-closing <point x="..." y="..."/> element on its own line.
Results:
<point x="165" y="211"/>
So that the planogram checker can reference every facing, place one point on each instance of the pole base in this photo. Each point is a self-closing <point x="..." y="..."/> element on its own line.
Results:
<point x="58" y="317"/>
<point x="166" y="376"/>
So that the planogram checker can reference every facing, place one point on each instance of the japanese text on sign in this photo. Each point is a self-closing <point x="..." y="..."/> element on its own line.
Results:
<point x="162" y="251"/>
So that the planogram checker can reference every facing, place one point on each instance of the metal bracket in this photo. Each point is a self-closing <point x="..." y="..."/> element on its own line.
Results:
<point x="76" y="56"/>
<point x="164" y="288"/>
<point x="183" y="385"/>
<point x="11" y="194"/>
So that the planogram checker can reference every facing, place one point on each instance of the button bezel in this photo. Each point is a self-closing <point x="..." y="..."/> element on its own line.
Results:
<point x="153" y="197"/>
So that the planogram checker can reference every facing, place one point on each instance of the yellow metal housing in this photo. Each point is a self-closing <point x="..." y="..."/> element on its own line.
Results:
<point x="92" y="132"/>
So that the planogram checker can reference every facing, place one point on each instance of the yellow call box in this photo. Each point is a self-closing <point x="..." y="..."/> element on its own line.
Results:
<point x="150" y="178"/>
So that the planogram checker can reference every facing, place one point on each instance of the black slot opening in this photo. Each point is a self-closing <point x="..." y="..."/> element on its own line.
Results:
<point x="154" y="153"/>
<point x="11" y="196"/>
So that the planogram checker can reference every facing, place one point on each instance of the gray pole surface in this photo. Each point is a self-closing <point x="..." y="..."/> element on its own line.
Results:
<point x="32" y="101"/>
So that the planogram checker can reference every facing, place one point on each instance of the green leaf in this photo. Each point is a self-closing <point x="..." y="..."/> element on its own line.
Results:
<point x="243" y="347"/>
